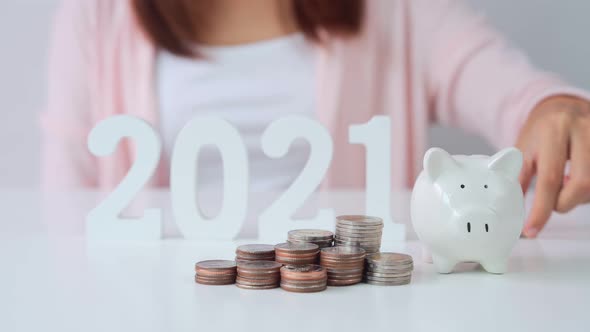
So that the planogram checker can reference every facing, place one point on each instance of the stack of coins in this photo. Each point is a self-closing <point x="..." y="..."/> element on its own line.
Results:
<point x="359" y="231"/>
<point x="258" y="274"/>
<point x="296" y="253"/>
<point x="215" y="272"/>
<point x="343" y="264"/>
<point x="255" y="252"/>
<point x="303" y="279"/>
<point x="388" y="269"/>
<point x="316" y="236"/>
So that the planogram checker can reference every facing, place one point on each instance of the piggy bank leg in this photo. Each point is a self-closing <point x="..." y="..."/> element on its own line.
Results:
<point x="496" y="266"/>
<point x="443" y="264"/>
<point x="426" y="255"/>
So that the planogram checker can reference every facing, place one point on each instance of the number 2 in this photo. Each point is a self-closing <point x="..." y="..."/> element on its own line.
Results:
<point x="104" y="221"/>
<point x="276" y="140"/>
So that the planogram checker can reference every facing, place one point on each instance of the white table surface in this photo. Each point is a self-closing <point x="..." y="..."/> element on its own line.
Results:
<point x="56" y="281"/>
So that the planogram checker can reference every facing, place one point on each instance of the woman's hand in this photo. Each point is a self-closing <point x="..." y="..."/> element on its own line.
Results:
<point x="556" y="131"/>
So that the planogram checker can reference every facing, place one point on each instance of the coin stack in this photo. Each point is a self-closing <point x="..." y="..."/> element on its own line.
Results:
<point x="359" y="231"/>
<point x="296" y="253"/>
<point x="343" y="264"/>
<point x="215" y="272"/>
<point x="303" y="279"/>
<point x="388" y="269"/>
<point x="316" y="236"/>
<point x="255" y="252"/>
<point x="258" y="274"/>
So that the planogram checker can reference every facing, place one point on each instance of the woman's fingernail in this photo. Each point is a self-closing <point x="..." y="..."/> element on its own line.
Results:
<point x="531" y="232"/>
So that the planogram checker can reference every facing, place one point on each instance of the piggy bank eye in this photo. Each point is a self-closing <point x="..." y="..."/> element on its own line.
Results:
<point x="462" y="186"/>
<point x="485" y="186"/>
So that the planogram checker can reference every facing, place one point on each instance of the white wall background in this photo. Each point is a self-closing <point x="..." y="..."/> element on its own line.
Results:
<point x="554" y="33"/>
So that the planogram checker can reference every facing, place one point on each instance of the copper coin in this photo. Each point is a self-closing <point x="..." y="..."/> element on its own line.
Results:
<point x="306" y="255"/>
<point x="305" y="272"/>
<point x="349" y="277"/>
<point x="297" y="263"/>
<point x="224" y="276"/>
<point x="342" y="260"/>
<point x="250" y="275"/>
<point x="259" y="265"/>
<point x="316" y="285"/>
<point x="335" y="263"/>
<point x="296" y="248"/>
<point x="290" y="288"/>
<point x="214" y="281"/>
<point x="318" y="242"/>
<point x="344" y="271"/>
<point x="255" y="282"/>
<point x="258" y="287"/>
<point x="346" y="282"/>
<point x="216" y="265"/>
<point x="336" y="267"/>
<point x="252" y="259"/>
<point x="304" y="258"/>
<point x="215" y="273"/>
<point x="304" y="283"/>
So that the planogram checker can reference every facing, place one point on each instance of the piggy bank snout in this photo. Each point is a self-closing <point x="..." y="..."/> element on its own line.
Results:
<point x="475" y="221"/>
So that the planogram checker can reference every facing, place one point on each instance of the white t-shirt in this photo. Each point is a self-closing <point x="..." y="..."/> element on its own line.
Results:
<point x="250" y="86"/>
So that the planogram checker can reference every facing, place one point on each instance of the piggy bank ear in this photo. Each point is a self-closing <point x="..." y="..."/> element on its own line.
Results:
<point x="437" y="161"/>
<point x="507" y="162"/>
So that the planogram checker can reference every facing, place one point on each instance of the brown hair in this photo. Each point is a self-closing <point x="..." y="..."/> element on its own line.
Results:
<point x="169" y="24"/>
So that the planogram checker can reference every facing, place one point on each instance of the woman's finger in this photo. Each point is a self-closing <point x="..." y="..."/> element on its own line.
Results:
<point x="577" y="190"/>
<point x="550" y="163"/>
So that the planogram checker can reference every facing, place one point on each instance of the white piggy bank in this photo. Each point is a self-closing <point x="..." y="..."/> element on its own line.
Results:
<point x="469" y="208"/>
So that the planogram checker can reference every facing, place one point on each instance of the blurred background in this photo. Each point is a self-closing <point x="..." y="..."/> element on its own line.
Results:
<point x="553" y="33"/>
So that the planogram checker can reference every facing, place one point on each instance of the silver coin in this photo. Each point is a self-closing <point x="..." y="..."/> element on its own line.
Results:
<point x="310" y="234"/>
<point x="321" y="244"/>
<point x="388" y="275"/>
<point x="358" y="238"/>
<point x="385" y="266"/>
<point x="355" y="244"/>
<point x="296" y="247"/>
<point x="359" y="219"/>
<point x="389" y="258"/>
<point x="373" y="235"/>
<point x="343" y="252"/>
<point x="387" y="283"/>
<point x="362" y="241"/>
<point x="216" y="264"/>
<point x="389" y="269"/>
<point x="256" y="249"/>
<point x="357" y="231"/>
<point x="358" y="227"/>
<point x="358" y="234"/>
<point x="382" y="279"/>
<point x="388" y="272"/>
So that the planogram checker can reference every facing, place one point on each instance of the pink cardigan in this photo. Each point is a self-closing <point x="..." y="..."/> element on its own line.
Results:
<point x="417" y="61"/>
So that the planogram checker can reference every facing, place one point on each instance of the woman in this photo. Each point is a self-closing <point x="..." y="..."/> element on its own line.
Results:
<point x="341" y="62"/>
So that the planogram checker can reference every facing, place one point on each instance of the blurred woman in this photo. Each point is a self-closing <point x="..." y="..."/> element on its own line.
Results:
<point x="338" y="61"/>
